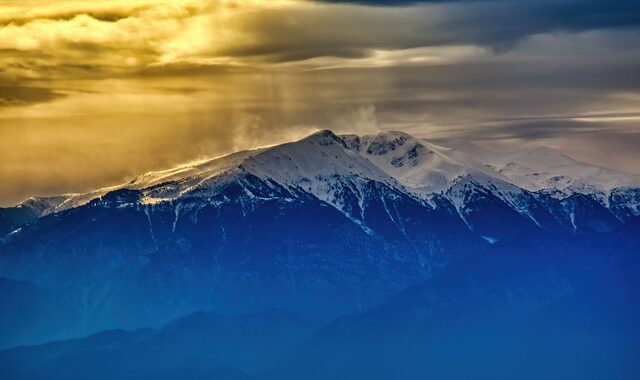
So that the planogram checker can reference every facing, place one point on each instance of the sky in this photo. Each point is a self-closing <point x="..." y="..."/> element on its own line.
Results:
<point x="94" y="93"/>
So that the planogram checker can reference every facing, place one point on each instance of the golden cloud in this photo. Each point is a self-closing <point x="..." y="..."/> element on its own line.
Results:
<point x="45" y="40"/>
<point x="93" y="93"/>
<point x="49" y="39"/>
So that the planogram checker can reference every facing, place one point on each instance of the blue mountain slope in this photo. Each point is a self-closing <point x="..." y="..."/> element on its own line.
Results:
<point x="12" y="218"/>
<point x="326" y="225"/>
<point x="528" y="311"/>
<point x="529" y="308"/>
<point x="122" y="264"/>
<point x="23" y="304"/>
<point x="195" y="346"/>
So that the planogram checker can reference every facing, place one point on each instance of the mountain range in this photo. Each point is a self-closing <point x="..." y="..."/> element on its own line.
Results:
<point x="397" y="247"/>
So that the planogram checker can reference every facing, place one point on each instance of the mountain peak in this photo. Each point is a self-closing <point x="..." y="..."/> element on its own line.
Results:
<point x="385" y="142"/>
<point x="391" y="157"/>
<point x="324" y="137"/>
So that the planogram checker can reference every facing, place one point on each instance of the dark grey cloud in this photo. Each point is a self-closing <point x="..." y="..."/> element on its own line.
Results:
<point x="353" y="31"/>
<point x="497" y="21"/>
<point x="15" y="95"/>
<point x="392" y="3"/>
<point x="501" y="23"/>
<point x="528" y="81"/>
<point x="183" y="69"/>
<point x="541" y="129"/>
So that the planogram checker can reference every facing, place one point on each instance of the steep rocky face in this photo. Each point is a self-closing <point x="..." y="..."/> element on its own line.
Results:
<point x="14" y="218"/>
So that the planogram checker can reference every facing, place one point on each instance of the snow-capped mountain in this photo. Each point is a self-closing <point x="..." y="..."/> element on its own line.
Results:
<point x="328" y="224"/>
<point x="325" y="164"/>
<point x="545" y="169"/>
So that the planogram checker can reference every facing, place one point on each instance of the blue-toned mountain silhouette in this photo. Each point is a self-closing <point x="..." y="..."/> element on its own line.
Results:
<point x="420" y="260"/>
<point x="199" y="345"/>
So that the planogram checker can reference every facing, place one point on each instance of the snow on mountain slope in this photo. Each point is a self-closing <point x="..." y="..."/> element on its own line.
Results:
<point x="334" y="168"/>
<point x="425" y="168"/>
<point x="318" y="165"/>
<point x="322" y="166"/>
<point x="158" y="186"/>
<point x="422" y="167"/>
<point x="548" y="170"/>
<point x="313" y="164"/>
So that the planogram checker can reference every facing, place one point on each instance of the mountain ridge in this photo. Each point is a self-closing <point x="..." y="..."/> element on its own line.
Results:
<point x="328" y="224"/>
<point x="422" y="178"/>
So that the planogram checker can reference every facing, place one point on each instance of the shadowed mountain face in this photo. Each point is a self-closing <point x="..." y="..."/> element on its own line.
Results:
<point x="195" y="346"/>
<point x="519" y="311"/>
<point x="12" y="218"/>
<point x="327" y="226"/>
<point x="121" y="264"/>
<point x="532" y="308"/>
